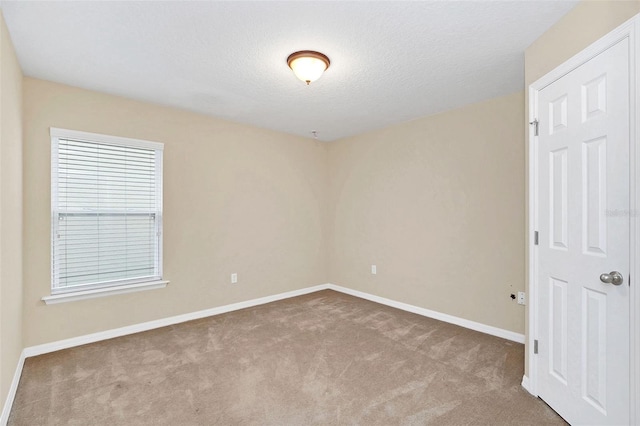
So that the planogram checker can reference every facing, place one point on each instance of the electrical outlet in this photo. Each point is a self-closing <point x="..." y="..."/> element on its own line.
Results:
<point x="521" y="299"/>
<point x="374" y="269"/>
<point x="234" y="278"/>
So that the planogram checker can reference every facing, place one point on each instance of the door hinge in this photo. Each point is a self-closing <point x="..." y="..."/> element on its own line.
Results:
<point x="535" y="125"/>
<point x="535" y="238"/>
<point x="535" y="347"/>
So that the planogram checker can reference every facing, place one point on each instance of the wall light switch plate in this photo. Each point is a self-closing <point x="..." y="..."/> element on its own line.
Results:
<point x="234" y="278"/>
<point x="521" y="299"/>
<point x="374" y="269"/>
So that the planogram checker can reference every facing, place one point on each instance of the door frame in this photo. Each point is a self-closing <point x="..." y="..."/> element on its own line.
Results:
<point x="631" y="31"/>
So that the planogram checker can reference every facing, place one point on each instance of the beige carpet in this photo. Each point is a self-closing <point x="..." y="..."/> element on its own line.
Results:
<point x="324" y="358"/>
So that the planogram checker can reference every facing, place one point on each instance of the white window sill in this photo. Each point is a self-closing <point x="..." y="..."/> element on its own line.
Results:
<point x="101" y="292"/>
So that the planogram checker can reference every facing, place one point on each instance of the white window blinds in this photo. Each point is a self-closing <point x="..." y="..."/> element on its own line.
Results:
<point x="106" y="211"/>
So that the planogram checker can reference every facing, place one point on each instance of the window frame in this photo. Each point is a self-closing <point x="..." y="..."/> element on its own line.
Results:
<point x="82" y="291"/>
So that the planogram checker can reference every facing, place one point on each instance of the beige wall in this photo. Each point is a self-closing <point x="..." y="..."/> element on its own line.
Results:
<point x="438" y="205"/>
<point x="10" y="211"/>
<point x="236" y="199"/>
<point x="583" y="25"/>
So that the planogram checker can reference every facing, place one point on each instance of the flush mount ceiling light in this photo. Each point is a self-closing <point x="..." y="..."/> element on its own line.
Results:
<point x="308" y="65"/>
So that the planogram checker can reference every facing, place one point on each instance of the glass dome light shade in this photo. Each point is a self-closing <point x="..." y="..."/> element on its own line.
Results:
<point x="307" y="65"/>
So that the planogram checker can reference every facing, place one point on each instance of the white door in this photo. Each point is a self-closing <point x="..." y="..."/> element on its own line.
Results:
<point x="583" y="216"/>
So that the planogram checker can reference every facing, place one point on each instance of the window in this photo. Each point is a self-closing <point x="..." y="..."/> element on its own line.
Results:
<point x="106" y="202"/>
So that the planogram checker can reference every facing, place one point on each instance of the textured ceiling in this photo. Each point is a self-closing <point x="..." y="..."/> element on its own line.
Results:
<point x="390" y="61"/>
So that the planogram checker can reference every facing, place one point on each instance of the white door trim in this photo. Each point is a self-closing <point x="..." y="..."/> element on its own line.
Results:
<point x="630" y="30"/>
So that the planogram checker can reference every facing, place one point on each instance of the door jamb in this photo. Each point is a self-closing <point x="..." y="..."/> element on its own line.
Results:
<point x="630" y="30"/>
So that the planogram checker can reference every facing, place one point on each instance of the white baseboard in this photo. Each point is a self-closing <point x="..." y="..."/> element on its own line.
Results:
<point x="526" y="385"/>
<point x="483" y="328"/>
<point x="150" y="325"/>
<point x="6" y="410"/>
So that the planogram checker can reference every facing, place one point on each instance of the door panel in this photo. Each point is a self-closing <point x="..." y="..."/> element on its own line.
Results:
<point x="558" y="330"/>
<point x="594" y="348"/>
<point x="594" y="197"/>
<point x="558" y="214"/>
<point x="583" y="192"/>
